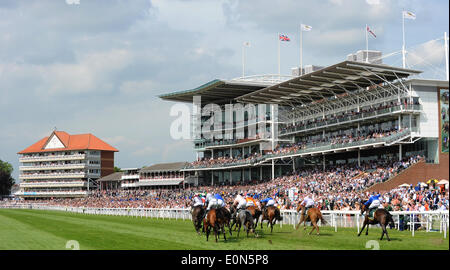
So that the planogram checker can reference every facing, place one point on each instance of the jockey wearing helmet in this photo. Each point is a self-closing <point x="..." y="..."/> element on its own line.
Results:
<point x="198" y="200"/>
<point x="307" y="202"/>
<point x="240" y="202"/>
<point x="373" y="203"/>
<point x="268" y="202"/>
<point x="250" y="201"/>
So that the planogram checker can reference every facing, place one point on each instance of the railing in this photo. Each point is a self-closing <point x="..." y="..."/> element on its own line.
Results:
<point x="50" y="193"/>
<point x="350" y="118"/>
<point x="53" y="184"/>
<point x="405" y="220"/>
<point x="53" y="167"/>
<point x="326" y="146"/>
<point x="52" y="157"/>
<point x="51" y="175"/>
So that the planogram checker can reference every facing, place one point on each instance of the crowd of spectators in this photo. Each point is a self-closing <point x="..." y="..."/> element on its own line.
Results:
<point x="310" y="143"/>
<point x="343" y="116"/>
<point x="347" y="138"/>
<point x="339" y="187"/>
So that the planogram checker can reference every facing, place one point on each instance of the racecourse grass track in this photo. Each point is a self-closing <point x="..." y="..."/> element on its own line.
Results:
<point x="22" y="229"/>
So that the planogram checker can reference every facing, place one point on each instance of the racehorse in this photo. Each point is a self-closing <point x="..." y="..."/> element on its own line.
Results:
<point x="271" y="214"/>
<point x="226" y="215"/>
<point x="244" y="218"/>
<point x="213" y="220"/>
<point x="234" y="218"/>
<point x="197" y="215"/>
<point x="381" y="216"/>
<point x="256" y="213"/>
<point x="314" y="215"/>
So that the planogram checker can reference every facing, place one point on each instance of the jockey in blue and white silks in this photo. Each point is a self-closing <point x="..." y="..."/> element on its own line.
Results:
<point x="269" y="201"/>
<point x="215" y="201"/>
<point x="374" y="202"/>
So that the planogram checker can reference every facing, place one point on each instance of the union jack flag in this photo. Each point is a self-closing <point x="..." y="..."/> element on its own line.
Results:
<point x="284" y="38"/>
<point x="370" y="31"/>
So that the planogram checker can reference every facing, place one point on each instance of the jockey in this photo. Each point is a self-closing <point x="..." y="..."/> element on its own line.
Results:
<point x="237" y="199"/>
<point x="250" y="201"/>
<point x="257" y="203"/>
<point x="240" y="203"/>
<point x="374" y="202"/>
<point x="220" y="201"/>
<point x="307" y="202"/>
<point x="268" y="202"/>
<point x="198" y="200"/>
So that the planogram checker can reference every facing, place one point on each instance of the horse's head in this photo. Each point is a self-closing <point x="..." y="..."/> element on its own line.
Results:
<point x="299" y="207"/>
<point x="362" y="206"/>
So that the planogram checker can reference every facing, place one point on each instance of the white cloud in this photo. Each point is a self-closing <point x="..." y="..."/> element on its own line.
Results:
<point x="373" y="2"/>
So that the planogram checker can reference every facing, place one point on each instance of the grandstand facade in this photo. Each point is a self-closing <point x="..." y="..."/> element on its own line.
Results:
<point x="64" y="165"/>
<point x="347" y="113"/>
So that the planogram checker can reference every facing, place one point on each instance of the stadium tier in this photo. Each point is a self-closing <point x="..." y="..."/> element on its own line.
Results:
<point x="64" y="165"/>
<point x="263" y="127"/>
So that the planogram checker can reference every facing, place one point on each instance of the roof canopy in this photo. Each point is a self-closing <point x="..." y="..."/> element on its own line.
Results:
<point x="216" y="91"/>
<point x="67" y="142"/>
<point x="164" y="167"/>
<point x="329" y="82"/>
<point x="117" y="176"/>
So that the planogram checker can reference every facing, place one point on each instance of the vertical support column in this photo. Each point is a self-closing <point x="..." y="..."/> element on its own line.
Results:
<point x="324" y="162"/>
<point x="293" y="164"/>
<point x="359" y="157"/>
<point x="231" y="177"/>
<point x="260" y="173"/>
<point x="273" y="169"/>
<point x="400" y="152"/>
<point x="212" y="178"/>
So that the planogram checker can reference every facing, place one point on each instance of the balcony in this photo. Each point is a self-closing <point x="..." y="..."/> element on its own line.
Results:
<point x="128" y="185"/>
<point x="51" y="158"/>
<point x="351" y="118"/>
<point x="51" y="193"/>
<point x="53" y="184"/>
<point x="130" y="176"/>
<point x="52" y="175"/>
<point x="53" y="167"/>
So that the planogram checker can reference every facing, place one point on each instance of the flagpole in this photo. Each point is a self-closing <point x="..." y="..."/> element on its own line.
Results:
<point x="367" y="46"/>
<point x="243" y="60"/>
<point x="403" y="47"/>
<point x="301" y="50"/>
<point x="279" y="67"/>
<point x="446" y="54"/>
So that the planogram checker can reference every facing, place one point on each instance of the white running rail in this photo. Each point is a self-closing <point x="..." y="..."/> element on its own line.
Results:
<point x="408" y="220"/>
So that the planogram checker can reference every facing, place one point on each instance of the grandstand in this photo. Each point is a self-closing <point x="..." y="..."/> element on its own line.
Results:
<point x="347" y="113"/>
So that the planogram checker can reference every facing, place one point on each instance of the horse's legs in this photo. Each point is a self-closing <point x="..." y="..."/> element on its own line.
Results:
<point x="367" y="231"/>
<point x="271" y="226"/>
<point x="300" y="222"/>
<point x="362" y="229"/>
<point x="313" y="223"/>
<point x="387" y="235"/>
<point x="224" y="233"/>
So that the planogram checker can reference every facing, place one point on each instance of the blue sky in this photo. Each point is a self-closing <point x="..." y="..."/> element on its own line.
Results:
<point x="98" y="66"/>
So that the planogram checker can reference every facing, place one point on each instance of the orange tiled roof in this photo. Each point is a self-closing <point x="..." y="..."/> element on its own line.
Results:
<point x="71" y="142"/>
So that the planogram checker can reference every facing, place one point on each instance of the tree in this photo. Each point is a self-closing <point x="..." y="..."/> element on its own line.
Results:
<point x="6" y="180"/>
<point x="117" y="169"/>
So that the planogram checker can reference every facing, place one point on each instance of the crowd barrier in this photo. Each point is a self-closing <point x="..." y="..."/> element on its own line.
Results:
<point x="429" y="221"/>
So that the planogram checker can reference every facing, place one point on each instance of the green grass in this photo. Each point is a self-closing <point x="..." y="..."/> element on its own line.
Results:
<point x="22" y="229"/>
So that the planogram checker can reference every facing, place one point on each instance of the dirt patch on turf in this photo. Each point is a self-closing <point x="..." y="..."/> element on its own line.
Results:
<point x="437" y="242"/>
